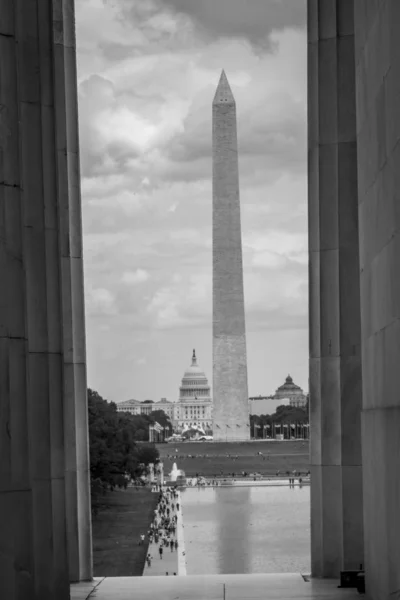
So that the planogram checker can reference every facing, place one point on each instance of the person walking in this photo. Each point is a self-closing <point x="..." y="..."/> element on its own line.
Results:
<point x="160" y="551"/>
<point x="177" y="506"/>
<point x="148" y="559"/>
<point x="176" y="544"/>
<point x="171" y="543"/>
<point x="141" y="542"/>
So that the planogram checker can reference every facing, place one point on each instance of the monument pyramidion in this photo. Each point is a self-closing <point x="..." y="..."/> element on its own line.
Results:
<point x="230" y="393"/>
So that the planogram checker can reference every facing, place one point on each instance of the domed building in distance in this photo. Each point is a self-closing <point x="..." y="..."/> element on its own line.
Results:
<point x="292" y="392"/>
<point x="194" y="406"/>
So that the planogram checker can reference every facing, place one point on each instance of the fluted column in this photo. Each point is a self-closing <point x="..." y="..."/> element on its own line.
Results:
<point x="73" y="310"/>
<point x="377" y="27"/>
<point x="44" y="487"/>
<point x="335" y="355"/>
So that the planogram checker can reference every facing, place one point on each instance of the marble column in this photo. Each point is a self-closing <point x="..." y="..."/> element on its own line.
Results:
<point x="377" y="29"/>
<point x="44" y="487"/>
<point x="335" y="354"/>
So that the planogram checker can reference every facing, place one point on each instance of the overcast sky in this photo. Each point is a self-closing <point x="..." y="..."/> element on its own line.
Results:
<point x="147" y="71"/>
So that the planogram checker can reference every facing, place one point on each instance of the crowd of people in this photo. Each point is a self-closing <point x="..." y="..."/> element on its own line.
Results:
<point x="233" y="457"/>
<point x="162" y="530"/>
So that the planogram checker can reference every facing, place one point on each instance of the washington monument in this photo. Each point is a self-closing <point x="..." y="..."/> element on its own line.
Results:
<point x="231" y="404"/>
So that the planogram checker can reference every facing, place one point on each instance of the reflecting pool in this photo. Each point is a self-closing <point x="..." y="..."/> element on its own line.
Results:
<point x="247" y="529"/>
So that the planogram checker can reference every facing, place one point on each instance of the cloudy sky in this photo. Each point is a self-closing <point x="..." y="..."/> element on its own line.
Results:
<point x="147" y="73"/>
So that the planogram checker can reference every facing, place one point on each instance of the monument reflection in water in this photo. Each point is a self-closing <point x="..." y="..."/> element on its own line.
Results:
<point x="247" y="530"/>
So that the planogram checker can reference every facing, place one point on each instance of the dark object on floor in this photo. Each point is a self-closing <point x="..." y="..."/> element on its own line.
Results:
<point x="349" y="579"/>
<point x="361" y="583"/>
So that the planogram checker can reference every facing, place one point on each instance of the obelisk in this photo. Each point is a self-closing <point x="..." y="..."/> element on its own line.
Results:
<point x="230" y="394"/>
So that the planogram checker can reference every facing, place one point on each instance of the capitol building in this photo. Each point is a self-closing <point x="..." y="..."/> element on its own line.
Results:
<point x="193" y="408"/>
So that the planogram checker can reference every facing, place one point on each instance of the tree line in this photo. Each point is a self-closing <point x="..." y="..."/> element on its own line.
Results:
<point x="284" y="414"/>
<point x="117" y="447"/>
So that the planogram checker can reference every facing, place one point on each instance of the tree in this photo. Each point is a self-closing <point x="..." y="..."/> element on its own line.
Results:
<point x="148" y="453"/>
<point x="161" y="418"/>
<point x="114" y="454"/>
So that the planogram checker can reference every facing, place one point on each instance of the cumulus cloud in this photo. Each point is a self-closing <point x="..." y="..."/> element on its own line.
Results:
<point x="100" y="302"/>
<point x="253" y="20"/>
<point x="185" y="302"/>
<point x="134" y="277"/>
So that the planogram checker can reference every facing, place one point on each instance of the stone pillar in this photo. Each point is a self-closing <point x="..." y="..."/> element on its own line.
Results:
<point x="151" y="473"/>
<point x="161" y="473"/>
<point x="44" y="486"/>
<point x="335" y="355"/>
<point x="77" y="467"/>
<point x="377" y="28"/>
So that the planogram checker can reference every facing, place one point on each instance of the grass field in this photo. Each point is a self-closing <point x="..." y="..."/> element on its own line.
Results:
<point x="209" y="459"/>
<point x="124" y="515"/>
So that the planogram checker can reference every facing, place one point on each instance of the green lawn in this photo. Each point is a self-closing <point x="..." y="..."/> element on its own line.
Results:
<point x="208" y="458"/>
<point x="123" y="516"/>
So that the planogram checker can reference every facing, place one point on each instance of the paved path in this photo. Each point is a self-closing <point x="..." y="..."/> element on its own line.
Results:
<point x="180" y="531"/>
<point x="279" y="586"/>
<point x="171" y="562"/>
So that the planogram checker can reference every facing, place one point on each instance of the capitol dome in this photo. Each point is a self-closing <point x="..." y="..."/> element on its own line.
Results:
<point x="194" y="372"/>
<point x="194" y="382"/>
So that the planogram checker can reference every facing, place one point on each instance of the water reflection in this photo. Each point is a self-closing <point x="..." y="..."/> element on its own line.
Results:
<point x="247" y="530"/>
<point x="233" y="526"/>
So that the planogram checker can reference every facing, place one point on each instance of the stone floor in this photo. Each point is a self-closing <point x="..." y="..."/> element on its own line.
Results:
<point x="280" y="586"/>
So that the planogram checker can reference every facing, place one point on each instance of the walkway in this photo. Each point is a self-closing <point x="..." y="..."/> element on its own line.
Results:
<point x="280" y="586"/>
<point x="171" y="562"/>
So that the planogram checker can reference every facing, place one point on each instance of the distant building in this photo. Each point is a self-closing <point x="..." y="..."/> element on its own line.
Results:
<point x="147" y="407"/>
<point x="291" y="392"/>
<point x="194" y="405"/>
<point x="288" y="394"/>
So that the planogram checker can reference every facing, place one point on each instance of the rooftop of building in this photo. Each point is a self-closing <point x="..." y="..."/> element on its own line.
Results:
<point x="131" y="402"/>
<point x="194" y="373"/>
<point x="289" y="387"/>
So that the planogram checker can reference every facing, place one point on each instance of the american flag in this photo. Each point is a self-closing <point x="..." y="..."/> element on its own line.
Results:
<point x="237" y="425"/>
<point x="228" y="426"/>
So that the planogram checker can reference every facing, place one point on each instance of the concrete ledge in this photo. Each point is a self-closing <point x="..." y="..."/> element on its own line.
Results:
<point x="180" y="536"/>
<point x="274" y="586"/>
